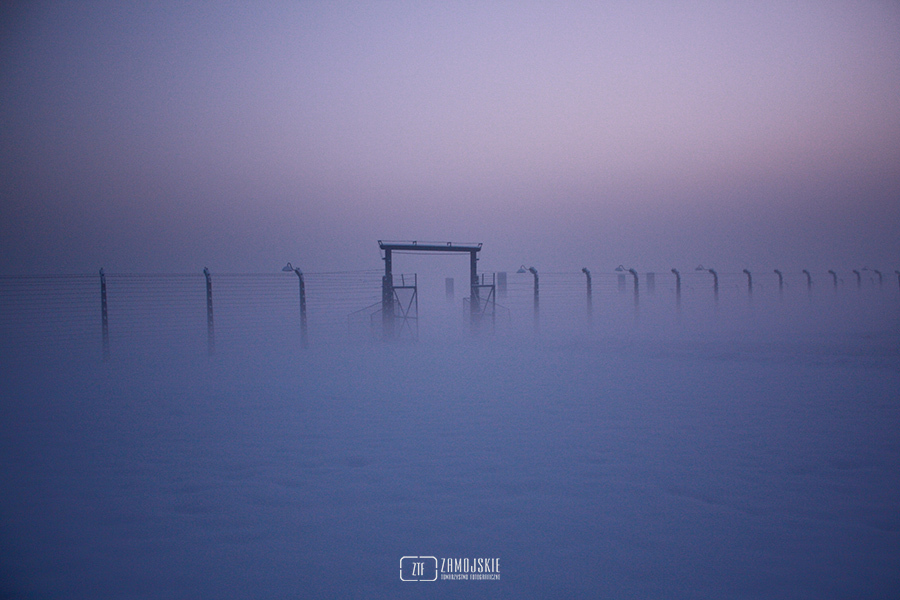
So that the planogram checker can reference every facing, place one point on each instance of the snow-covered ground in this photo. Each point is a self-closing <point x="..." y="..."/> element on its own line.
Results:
<point x="618" y="465"/>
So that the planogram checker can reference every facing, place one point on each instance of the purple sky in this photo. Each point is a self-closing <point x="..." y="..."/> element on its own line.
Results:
<point x="173" y="136"/>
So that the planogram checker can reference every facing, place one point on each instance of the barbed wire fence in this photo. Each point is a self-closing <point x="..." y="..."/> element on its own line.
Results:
<point x="252" y="312"/>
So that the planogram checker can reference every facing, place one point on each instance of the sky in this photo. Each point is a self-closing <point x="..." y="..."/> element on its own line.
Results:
<point x="161" y="137"/>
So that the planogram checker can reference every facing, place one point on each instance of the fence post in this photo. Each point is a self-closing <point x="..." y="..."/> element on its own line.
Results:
<point x="104" y="316"/>
<point x="677" y="289"/>
<point x="634" y="274"/>
<point x="590" y="307"/>
<point x="304" y="341"/>
<point x="210" y="323"/>
<point x="304" y="338"/>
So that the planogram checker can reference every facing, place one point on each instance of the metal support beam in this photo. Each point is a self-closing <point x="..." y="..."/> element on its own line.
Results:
<point x="428" y="246"/>
<point x="387" y="297"/>
<point x="474" y="300"/>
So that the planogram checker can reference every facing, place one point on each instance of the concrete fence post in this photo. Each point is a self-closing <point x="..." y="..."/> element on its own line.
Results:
<point x="210" y="322"/>
<point x="104" y="316"/>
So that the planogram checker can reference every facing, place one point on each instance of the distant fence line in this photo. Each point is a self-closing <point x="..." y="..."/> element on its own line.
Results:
<point x="237" y="311"/>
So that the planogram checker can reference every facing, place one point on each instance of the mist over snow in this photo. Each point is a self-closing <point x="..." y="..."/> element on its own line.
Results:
<point x="739" y="448"/>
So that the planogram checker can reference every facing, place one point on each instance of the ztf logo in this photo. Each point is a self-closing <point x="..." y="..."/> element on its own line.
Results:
<point x="425" y="568"/>
<point x="418" y="568"/>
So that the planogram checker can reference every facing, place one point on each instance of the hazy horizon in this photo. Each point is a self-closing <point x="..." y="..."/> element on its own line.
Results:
<point x="173" y="137"/>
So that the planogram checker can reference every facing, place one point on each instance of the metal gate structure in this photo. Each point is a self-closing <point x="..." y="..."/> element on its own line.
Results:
<point x="406" y="308"/>
<point x="389" y="297"/>
<point x="488" y="307"/>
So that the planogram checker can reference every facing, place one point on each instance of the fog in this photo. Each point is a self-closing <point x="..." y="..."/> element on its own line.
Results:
<point x="715" y="417"/>
<point x="744" y="446"/>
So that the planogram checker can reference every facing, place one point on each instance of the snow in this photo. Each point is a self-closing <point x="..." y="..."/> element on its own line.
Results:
<point x="618" y="465"/>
